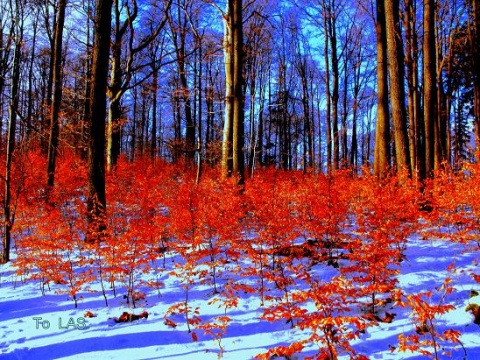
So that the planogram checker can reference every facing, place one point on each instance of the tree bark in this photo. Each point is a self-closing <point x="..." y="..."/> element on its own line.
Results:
<point x="233" y="131"/>
<point x="8" y="212"/>
<point x="238" y="113"/>
<point x="382" y="132"/>
<point x="415" y="115"/>
<point x="96" y="205"/>
<point x="226" y="163"/>
<point x="57" y="93"/>
<point x="397" y="88"/>
<point x="429" y="87"/>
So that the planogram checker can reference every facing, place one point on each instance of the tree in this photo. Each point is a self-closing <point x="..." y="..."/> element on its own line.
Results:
<point x="57" y="92"/>
<point x="17" y="33"/>
<point x="330" y="28"/>
<point x="415" y="120"/>
<point x="382" y="133"/>
<point x="429" y="88"/>
<point x="233" y="129"/>
<point x="397" y="89"/>
<point x="96" y="202"/>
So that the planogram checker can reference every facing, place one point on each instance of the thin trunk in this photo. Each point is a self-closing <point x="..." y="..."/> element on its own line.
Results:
<point x="238" y="102"/>
<point x="429" y="87"/>
<point x="343" y="133"/>
<point x="414" y="106"/>
<point x="153" y="145"/>
<point x="335" y="88"/>
<point x="57" y="94"/>
<point x="476" y="75"/>
<point x="8" y="211"/>
<point x="226" y="163"/>
<point x="328" y="117"/>
<point x="29" y="117"/>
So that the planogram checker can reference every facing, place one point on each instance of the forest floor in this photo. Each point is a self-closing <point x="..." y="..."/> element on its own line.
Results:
<point x="36" y="326"/>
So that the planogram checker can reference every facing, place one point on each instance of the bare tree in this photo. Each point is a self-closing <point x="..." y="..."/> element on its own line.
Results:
<point x="382" y="133"/>
<point x="429" y="87"/>
<point x="17" y="33"/>
<point x="57" y="93"/>
<point x="96" y="202"/>
<point x="233" y="130"/>
<point x="397" y="89"/>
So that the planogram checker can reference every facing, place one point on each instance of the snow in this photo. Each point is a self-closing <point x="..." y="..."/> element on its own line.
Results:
<point x="33" y="326"/>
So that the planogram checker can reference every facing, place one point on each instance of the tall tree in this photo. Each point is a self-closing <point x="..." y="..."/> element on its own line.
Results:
<point x="96" y="202"/>
<point x="330" y="23"/>
<point x="57" y="93"/>
<point x="17" y="32"/>
<point x="397" y="89"/>
<point x="233" y="131"/>
<point x="415" y="115"/>
<point x="238" y="101"/>
<point x="382" y="133"/>
<point x="429" y="88"/>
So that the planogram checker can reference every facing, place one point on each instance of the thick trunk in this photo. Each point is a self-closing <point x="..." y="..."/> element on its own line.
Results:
<point x="96" y="204"/>
<point x="397" y="89"/>
<point x="382" y="133"/>
<point x="233" y="158"/>
<point x="115" y="91"/>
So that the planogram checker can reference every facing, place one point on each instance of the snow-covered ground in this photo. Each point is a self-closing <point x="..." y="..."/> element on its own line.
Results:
<point x="38" y="327"/>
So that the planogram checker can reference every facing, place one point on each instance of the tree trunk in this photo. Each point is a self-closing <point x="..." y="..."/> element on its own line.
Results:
<point x="415" y="114"/>
<point x="397" y="89"/>
<point x="238" y="113"/>
<point x="115" y="89"/>
<point x="9" y="214"/>
<point x="31" y="65"/>
<point x="476" y="77"/>
<point x="429" y="86"/>
<point x="153" y="145"/>
<point x="335" y="88"/>
<point x="96" y="205"/>
<point x="226" y="162"/>
<point x="382" y="132"/>
<point x="233" y="131"/>
<point x="88" y="82"/>
<point x="328" y="117"/>
<point x="57" y="93"/>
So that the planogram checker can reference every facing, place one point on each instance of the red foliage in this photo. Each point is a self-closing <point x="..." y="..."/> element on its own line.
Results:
<point x="319" y="252"/>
